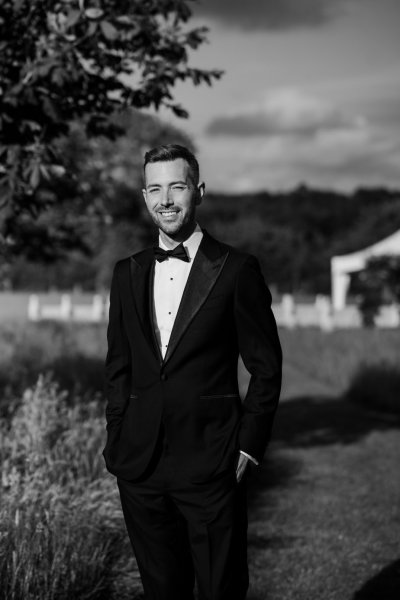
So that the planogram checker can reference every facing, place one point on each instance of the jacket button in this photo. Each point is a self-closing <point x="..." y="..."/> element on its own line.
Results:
<point x="163" y="377"/>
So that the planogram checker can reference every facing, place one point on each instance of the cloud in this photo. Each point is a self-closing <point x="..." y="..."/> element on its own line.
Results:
<point x="269" y="14"/>
<point x="287" y="112"/>
<point x="341" y="159"/>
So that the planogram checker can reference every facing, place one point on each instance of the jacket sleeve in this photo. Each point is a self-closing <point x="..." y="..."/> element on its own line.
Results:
<point x="118" y="361"/>
<point x="261" y="352"/>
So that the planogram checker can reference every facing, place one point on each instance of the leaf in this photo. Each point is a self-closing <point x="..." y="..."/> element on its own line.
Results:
<point x="124" y="20"/>
<point x="94" y="13"/>
<point x="179" y="111"/>
<point x="43" y="69"/>
<point x="44" y="172"/>
<point x="57" y="170"/>
<point x="3" y="152"/>
<point x="34" y="178"/>
<point x="109" y="31"/>
<point x="91" y="30"/>
<point x="18" y="5"/>
<point x="72" y="18"/>
<point x="50" y="109"/>
<point x="58" y="76"/>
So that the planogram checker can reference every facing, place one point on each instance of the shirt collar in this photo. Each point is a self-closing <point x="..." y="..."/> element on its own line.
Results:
<point x="191" y="244"/>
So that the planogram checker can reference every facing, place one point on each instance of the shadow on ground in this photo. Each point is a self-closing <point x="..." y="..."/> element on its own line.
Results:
<point x="312" y="421"/>
<point x="383" y="586"/>
<point x="309" y="421"/>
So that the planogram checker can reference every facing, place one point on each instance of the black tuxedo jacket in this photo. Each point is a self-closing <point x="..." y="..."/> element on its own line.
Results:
<point x="225" y="310"/>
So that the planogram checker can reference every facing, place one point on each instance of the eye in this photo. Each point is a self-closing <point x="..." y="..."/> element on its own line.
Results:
<point x="178" y="188"/>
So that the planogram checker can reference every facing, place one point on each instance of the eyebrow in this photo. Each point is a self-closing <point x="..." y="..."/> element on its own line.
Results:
<point x="169" y="185"/>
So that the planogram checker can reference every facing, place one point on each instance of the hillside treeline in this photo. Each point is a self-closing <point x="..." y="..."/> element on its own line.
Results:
<point x="95" y="214"/>
<point x="294" y="234"/>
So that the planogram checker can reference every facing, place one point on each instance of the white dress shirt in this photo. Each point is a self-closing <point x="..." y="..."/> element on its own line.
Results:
<point x="170" y="277"/>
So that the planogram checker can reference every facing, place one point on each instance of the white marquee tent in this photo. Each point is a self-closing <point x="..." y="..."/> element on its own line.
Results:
<point x="343" y="266"/>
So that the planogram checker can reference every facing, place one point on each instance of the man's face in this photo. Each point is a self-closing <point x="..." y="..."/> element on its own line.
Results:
<point x="171" y="197"/>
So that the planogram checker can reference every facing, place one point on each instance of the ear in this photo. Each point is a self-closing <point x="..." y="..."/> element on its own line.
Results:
<point x="201" y="188"/>
<point x="144" y="194"/>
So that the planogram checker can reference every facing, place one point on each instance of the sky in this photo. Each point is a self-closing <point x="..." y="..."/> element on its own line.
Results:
<point x="310" y="94"/>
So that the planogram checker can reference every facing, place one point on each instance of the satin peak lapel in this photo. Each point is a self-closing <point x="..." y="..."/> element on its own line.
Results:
<point x="207" y="266"/>
<point x="141" y="285"/>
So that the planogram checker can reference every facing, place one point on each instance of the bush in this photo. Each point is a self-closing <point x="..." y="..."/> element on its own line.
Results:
<point x="377" y="387"/>
<point x="61" y="529"/>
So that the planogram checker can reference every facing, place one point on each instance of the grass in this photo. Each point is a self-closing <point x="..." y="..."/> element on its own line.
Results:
<point x="376" y="386"/>
<point x="61" y="529"/>
<point x="323" y="512"/>
<point x="74" y="354"/>
<point x="333" y="358"/>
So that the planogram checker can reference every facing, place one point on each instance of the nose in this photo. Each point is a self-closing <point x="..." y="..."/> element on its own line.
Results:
<point x="166" y="199"/>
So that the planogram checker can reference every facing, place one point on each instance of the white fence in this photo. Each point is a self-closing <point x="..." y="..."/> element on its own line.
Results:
<point x="287" y="312"/>
<point x="320" y="314"/>
<point x="66" y="310"/>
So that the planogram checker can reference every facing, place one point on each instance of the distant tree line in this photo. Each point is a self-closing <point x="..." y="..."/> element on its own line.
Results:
<point x="294" y="234"/>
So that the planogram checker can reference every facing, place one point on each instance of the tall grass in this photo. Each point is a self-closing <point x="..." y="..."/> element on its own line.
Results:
<point x="61" y="529"/>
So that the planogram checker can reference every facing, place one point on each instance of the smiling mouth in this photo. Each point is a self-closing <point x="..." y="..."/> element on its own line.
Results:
<point x="168" y="213"/>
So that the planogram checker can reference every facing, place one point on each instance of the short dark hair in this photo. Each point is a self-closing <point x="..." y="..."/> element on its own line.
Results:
<point x="170" y="152"/>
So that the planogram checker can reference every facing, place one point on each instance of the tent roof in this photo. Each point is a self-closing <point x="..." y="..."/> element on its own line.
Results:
<point x="356" y="260"/>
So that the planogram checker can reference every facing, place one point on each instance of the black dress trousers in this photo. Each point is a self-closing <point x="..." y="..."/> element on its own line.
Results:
<point x="182" y="532"/>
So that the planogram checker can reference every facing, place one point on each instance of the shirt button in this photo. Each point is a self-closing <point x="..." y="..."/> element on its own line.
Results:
<point x="163" y="377"/>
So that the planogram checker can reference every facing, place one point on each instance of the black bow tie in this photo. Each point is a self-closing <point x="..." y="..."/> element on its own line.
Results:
<point x="177" y="252"/>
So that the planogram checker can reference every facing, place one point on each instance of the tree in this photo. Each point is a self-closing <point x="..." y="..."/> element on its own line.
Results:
<point x="98" y="201"/>
<point x="69" y="61"/>
<point x="378" y="283"/>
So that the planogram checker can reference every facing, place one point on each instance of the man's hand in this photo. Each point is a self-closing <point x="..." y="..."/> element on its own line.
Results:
<point x="241" y="466"/>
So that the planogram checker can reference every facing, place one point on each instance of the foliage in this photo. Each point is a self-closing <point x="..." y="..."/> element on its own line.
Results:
<point x="80" y="60"/>
<point x="377" y="283"/>
<point x="98" y="203"/>
<point x="62" y="533"/>
<point x="99" y="198"/>
<point x="296" y="233"/>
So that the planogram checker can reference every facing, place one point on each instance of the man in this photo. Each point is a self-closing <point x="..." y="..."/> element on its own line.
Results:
<point x="179" y="438"/>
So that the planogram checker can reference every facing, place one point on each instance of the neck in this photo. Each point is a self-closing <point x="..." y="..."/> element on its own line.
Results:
<point x="172" y="241"/>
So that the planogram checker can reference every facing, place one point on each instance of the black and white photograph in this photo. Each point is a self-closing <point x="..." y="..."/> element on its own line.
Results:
<point x="199" y="300"/>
